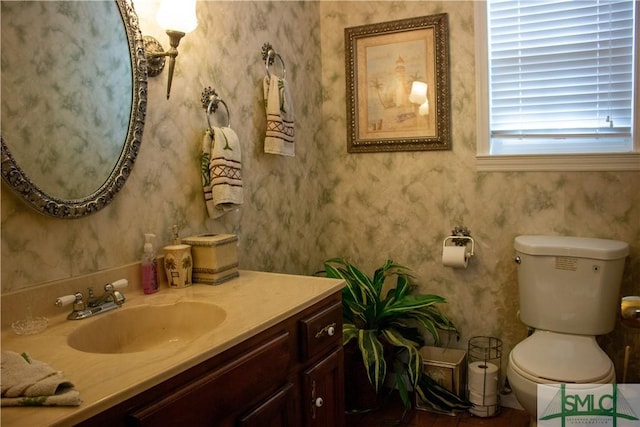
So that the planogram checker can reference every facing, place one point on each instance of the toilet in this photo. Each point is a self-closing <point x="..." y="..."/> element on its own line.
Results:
<point x="568" y="292"/>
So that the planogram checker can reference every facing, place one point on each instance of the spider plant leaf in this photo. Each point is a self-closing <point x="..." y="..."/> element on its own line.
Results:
<point x="394" y="294"/>
<point x="359" y="279"/>
<point x="439" y="319"/>
<point x="414" y="362"/>
<point x="349" y="332"/>
<point x="403" y="390"/>
<point x="357" y="285"/>
<point x="433" y="320"/>
<point x="373" y="356"/>
<point x="353" y="309"/>
<point x="353" y="304"/>
<point x="380" y="275"/>
<point x="412" y="302"/>
<point x="431" y="326"/>
<point x="389" y="267"/>
<point x="438" y="397"/>
<point x="337" y="273"/>
<point x="411" y="333"/>
<point x="403" y="286"/>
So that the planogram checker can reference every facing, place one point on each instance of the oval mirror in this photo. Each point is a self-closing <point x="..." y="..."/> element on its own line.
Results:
<point x="74" y="82"/>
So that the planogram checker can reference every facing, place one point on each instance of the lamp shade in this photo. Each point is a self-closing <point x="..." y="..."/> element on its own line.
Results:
<point x="178" y="15"/>
<point x="418" y="92"/>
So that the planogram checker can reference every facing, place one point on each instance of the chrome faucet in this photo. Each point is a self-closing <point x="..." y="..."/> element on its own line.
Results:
<point x="111" y="299"/>
<point x="111" y="294"/>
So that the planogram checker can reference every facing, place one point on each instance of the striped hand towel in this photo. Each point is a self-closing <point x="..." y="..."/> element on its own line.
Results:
<point x="221" y="171"/>
<point x="280" y="119"/>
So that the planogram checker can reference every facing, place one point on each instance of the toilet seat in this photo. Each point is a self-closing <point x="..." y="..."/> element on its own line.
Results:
<point x="560" y="358"/>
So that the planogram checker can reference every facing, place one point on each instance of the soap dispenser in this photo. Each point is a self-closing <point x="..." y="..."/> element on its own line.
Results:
<point x="178" y="264"/>
<point x="149" y="266"/>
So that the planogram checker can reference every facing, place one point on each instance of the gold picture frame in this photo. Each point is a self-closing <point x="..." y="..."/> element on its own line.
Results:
<point x="382" y="62"/>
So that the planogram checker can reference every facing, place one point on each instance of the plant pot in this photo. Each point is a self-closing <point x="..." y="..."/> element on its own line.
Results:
<point x="360" y="395"/>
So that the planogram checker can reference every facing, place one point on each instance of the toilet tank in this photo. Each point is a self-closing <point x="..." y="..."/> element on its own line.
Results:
<point x="569" y="284"/>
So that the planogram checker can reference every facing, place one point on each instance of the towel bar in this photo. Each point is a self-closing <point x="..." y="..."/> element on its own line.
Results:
<point x="210" y="100"/>
<point x="269" y="55"/>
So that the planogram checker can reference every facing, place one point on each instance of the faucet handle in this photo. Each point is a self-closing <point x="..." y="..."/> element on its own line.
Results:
<point x="67" y="299"/>
<point x="118" y="284"/>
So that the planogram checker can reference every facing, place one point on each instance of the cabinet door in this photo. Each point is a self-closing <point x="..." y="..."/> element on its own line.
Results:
<point x="323" y="392"/>
<point x="277" y="411"/>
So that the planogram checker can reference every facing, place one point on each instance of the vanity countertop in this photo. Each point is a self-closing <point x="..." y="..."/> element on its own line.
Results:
<point x="253" y="302"/>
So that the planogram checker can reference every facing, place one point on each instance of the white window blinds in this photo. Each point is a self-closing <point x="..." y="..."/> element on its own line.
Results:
<point x="561" y="76"/>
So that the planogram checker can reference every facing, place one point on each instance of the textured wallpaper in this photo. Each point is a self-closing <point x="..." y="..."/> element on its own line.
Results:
<point x="164" y="189"/>
<point x="325" y="202"/>
<point x="402" y="205"/>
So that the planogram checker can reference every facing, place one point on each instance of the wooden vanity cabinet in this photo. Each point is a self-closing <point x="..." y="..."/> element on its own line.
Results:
<point x="290" y="375"/>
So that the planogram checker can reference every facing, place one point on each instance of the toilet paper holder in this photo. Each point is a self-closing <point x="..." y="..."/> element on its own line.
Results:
<point x="460" y="236"/>
<point x="630" y="311"/>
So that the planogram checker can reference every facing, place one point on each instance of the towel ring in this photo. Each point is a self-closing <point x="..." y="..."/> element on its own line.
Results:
<point x="210" y="101"/>
<point x="213" y="106"/>
<point x="269" y="55"/>
<point x="269" y="61"/>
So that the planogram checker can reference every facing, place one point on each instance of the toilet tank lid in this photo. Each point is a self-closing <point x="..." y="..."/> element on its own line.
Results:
<point x="579" y="247"/>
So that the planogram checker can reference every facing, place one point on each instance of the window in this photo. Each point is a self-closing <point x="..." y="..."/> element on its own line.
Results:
<point x="556" y="84"/>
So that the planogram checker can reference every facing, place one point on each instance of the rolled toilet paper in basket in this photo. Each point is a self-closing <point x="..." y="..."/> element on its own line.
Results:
<point x="484" y="411"/>
<point x="479" y="399"/>
<point x="483" y="378"/>
<point x="455" y="256"/>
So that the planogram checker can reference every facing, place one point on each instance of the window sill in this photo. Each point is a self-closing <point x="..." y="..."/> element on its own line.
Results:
<point x="559" y="162"/>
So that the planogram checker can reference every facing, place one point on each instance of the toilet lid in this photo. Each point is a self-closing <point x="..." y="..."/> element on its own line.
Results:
<point x="562" y="358"/>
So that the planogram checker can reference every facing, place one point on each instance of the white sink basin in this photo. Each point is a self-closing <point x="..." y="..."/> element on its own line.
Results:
<point x="142" y="328"/>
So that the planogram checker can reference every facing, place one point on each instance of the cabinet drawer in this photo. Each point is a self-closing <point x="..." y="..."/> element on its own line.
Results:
<point x="224" y="391"/>
<point x="321" y="330"/>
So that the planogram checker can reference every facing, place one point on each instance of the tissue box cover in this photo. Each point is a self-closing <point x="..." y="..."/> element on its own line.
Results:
<point x="215" y="257"/>
<point x="447" y="367"/>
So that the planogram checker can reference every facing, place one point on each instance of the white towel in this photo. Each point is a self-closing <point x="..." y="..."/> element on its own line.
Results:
<point x="28" y="382"/>
<point x="221" y="171"/>
<point x="280" y="119"/>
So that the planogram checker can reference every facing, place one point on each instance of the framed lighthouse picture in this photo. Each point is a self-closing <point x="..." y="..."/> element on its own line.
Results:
<point x="398" y="86"/>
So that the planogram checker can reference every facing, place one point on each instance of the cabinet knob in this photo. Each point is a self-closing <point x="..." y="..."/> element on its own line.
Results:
<point x="318" y="402"/>
<point x="329" y="330"/>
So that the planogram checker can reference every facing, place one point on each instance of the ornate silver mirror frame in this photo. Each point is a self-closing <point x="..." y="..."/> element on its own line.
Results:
<point x="57" y="207"/>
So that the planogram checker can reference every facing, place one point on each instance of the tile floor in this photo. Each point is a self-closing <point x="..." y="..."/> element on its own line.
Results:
<point x="391" y="416"/>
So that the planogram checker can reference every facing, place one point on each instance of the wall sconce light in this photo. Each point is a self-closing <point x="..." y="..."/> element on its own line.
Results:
<point x="177" y="17"/>
<point x="418" y="96"/>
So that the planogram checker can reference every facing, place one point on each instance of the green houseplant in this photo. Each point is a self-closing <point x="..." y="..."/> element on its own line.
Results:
<point x="387" y="331"/>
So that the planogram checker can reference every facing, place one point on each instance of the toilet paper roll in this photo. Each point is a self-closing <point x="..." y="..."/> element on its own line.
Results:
<point x="478" y="398"/>
<point x="455" y="256"/>
<point x="484" y="411"/>
<point x="483" y="378"/>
